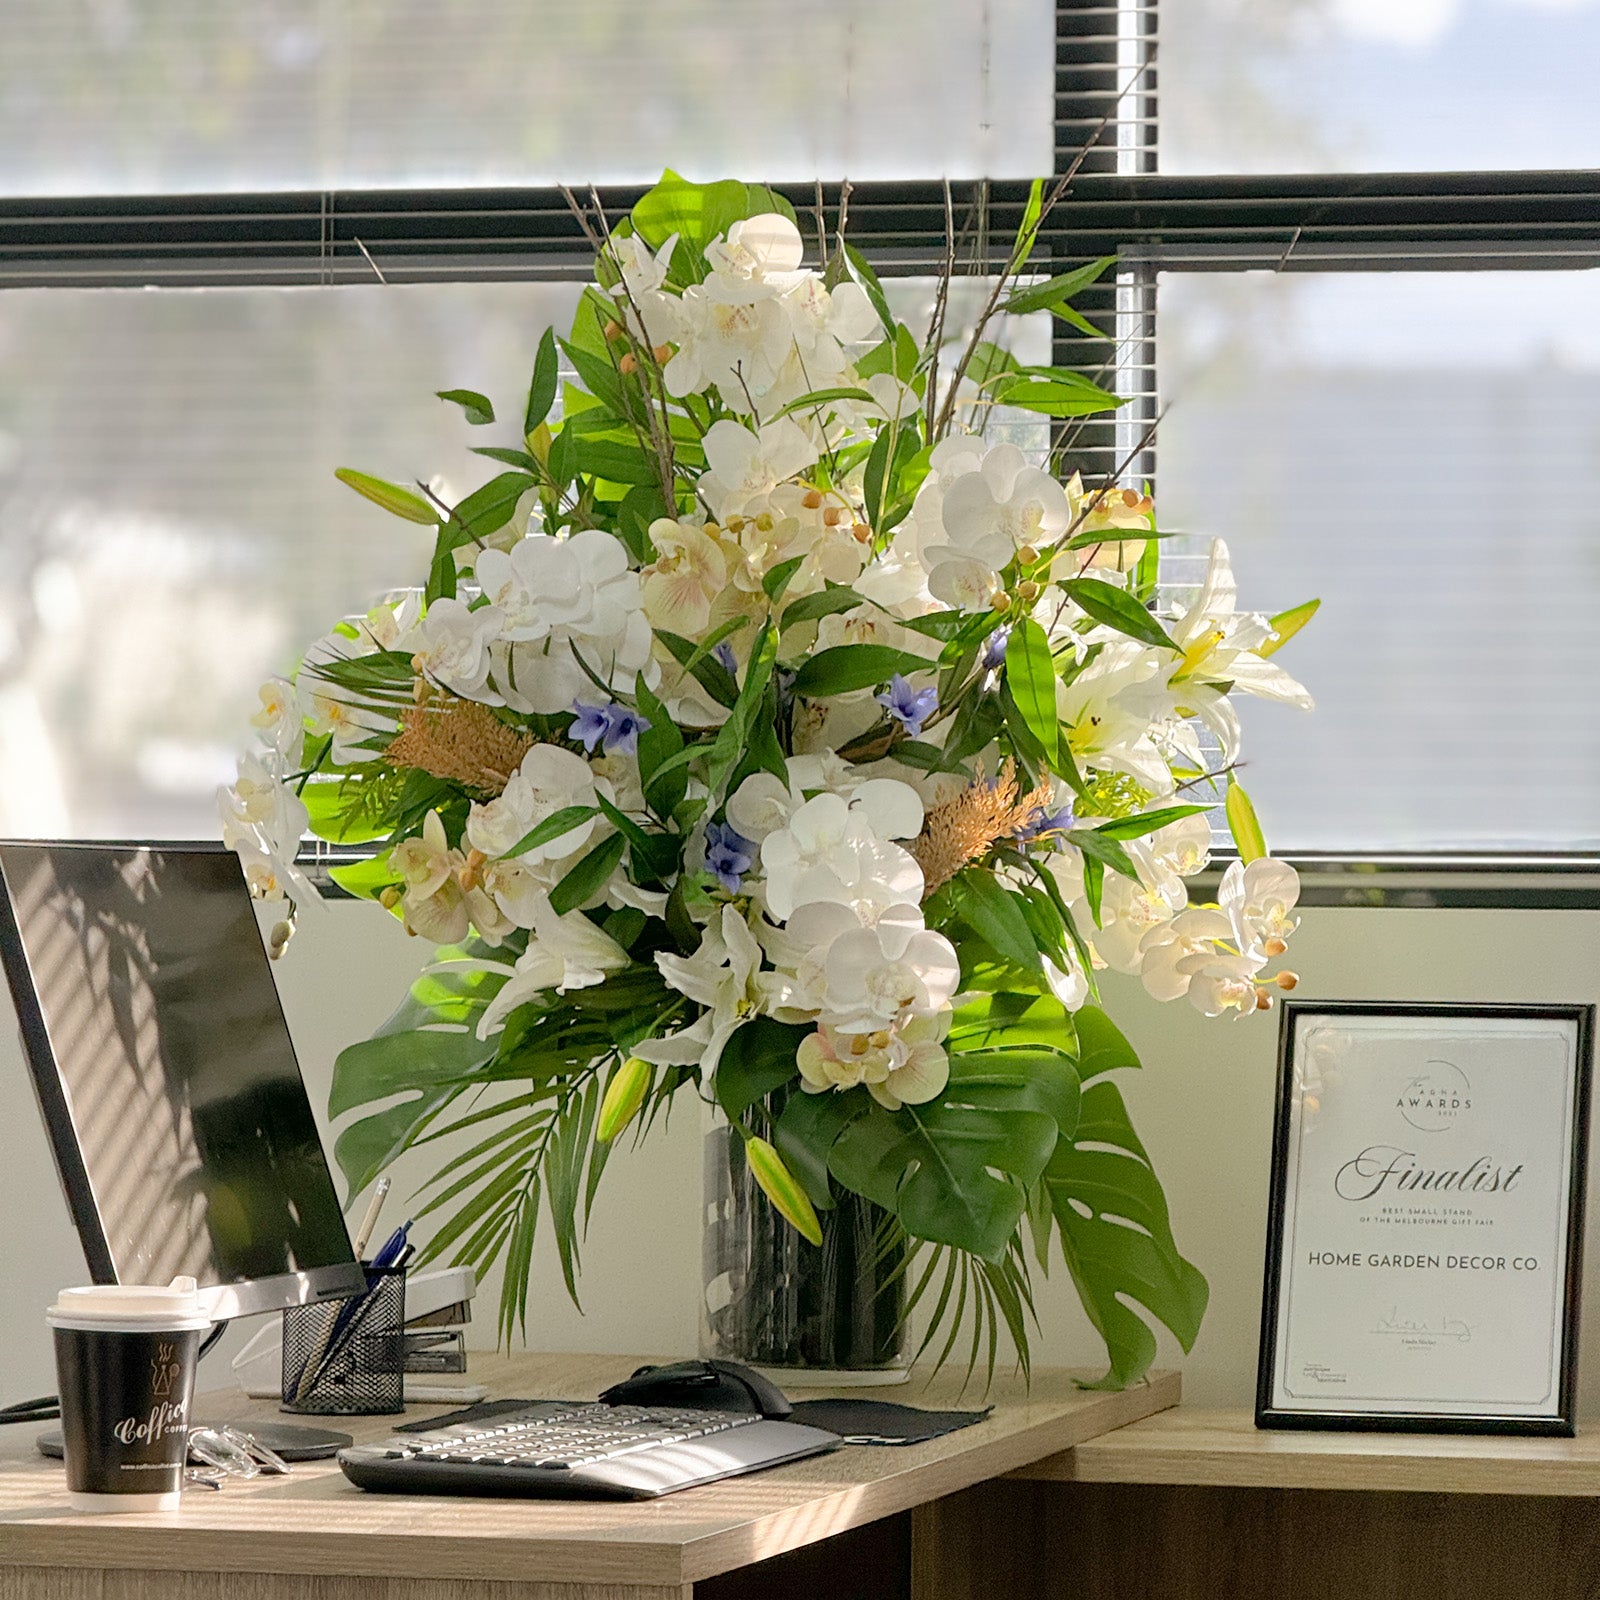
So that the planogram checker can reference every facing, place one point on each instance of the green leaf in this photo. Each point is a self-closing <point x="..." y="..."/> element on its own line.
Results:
<point x="590" y="875"/>
<point x="820" y="397"/>
<point x="328" y="802"/>
<point x="861" y="271"/>
<point x="853" y="666"/>
<point x="1047" y="295"/>
<point x="488" y="508"/>
<point x="777" y="580"/>
<point x="474" y="406"/>
<point x="617" y="461"/>
<point x="1117" y="1238"/>
<point x="733" y="737"/>
<point x="1094" y="882"/>
<point x="401" y="502"/>
<point x="600" y="378"/>
<point x="806" y="1132"/>
<point x="697" y="659"/>
<point x="1102" y="1047"/>
<point x="657" y="744"/>
<point x="758" y="1058"/>
<point x="1146" y="822"/>
<point x="365" y="879"/>
<point x="510" y="458"/>
<point x="1116" y="608"/>
<point x="1028" y="228"/>
<point x="441" y="584"/>
<point x="1243" y="824"/>
<point x="1012" y="1019"/>
<point x="553" y="826"/>
<point x="1286" y="625"/>
<point x="655" y="855"/>
<point x="396" y="1063"/>
<point x="1066" y="396"/>
<point x="542" y="390"/>
<point x="956" y="1171"/>
<point x="1104" y="849"/>
<point x="824" y="603"/>
<point x="1031" y="674"/>
<point x="698" y="213"/>
<point x="995" y="916"/>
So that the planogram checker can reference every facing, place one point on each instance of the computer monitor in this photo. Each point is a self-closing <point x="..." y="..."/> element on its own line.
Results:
<point x="166" y="1075"/>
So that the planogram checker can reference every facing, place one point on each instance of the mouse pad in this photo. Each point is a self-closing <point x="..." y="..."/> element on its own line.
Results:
<point x="882" y="1421"/>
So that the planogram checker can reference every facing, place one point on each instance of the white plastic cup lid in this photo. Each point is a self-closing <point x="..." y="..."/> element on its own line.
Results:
<point x="135" y="1306"/>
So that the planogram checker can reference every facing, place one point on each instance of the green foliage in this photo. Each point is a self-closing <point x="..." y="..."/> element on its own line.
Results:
<point x="475" y="407"/>
<point x="852" y="666"/>
<point x="1243" y="824"/>
<point x="1031" y="677"/>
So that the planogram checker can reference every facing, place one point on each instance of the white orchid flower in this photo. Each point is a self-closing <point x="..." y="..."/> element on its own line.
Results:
<point x="879" y="976"/>
<point x="1166" y="950"/>
<point x="557" y="595"/>
<point x="433" y="902"/>
<point x="280" y="719"/>
<point x="830" y="850"/>
<point x="727" y="338"/>
<point x="1257" y="899"/>
<point x="988" y="515"/>
<point x="906" y="1067"/>
<point x="452" y="648"/>
<point x="566" y="951"/>
<point x="549" y="780"/>
<point x="263" y="820"/>
<point x="745" y="465"/>
<point x="1219" y="982"/>
<point x="680" y="587"/>
<point x="722" y="976"/>
<point x="762" y="253"/>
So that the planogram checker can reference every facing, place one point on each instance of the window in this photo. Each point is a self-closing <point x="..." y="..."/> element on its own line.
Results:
<point x="1366" y="329"/>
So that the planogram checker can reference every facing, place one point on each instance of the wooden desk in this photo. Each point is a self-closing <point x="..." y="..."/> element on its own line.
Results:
<point x="1191" y="1505"/>
<point x="839" y="1526"/>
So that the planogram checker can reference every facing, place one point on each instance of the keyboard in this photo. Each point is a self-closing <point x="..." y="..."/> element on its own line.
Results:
<point x="553" y="1448"/>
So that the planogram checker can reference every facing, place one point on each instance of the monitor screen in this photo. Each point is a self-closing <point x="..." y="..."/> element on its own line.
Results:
<point x="175" y="1106"/>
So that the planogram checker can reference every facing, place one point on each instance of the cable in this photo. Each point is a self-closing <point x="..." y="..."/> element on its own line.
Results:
<point x="48" y="1406"/>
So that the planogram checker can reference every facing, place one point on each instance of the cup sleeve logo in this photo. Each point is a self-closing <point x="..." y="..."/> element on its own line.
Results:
<point x="164" y="1371"/>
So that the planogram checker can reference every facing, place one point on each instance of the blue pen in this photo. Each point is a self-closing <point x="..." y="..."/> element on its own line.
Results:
<point x="389" y="1254"/>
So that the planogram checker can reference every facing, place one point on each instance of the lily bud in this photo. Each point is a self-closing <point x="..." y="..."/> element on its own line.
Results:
<point x="623" y="1097"/>
<point x="778" y="1184"/>
<point x="629" y="363"/>
<point x="613" y="331"/>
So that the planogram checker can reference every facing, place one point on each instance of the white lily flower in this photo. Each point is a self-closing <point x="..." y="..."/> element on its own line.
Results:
<point x="566" y="951"/>
<point x="1107" y="723"/>
<point x="722" y="976"/>
<point x="1219" y="645"/>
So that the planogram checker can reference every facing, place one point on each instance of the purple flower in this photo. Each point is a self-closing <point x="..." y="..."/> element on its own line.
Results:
<point x="1043" y="822"/>
<point x="616" y="727"/>
<point x="728" y="854"/>
<point x="994" y="647"/>
<point x="591" y="726"/>
<point x="909" y="707"/>
<point x="724" y="654"/>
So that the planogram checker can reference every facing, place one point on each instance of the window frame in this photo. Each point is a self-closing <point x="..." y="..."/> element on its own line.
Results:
<point x="1119" y="205"/>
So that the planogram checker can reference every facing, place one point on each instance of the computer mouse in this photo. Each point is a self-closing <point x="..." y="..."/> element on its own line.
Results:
<point x="702" y="1385"/>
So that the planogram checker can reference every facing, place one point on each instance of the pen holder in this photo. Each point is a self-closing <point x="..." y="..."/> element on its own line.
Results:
<point x="347" y="1357"/>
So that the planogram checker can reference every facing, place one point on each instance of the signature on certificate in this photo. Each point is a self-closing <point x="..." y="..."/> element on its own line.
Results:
<point x="1425" y="1327"/>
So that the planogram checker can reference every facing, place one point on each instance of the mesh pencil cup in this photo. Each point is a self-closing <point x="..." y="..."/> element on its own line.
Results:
<point x="347" y="1357"/>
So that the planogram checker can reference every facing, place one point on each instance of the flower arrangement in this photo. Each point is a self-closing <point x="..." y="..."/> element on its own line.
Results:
<point x="771" y="729"/>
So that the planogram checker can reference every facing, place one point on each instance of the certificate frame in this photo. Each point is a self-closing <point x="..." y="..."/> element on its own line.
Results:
<point x="1293" y="1209"/>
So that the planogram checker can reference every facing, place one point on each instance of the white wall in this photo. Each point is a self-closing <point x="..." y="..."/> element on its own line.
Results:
<point x="1203" y="1105"/>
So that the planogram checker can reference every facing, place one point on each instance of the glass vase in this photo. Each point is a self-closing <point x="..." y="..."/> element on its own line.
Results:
<point x="830" y="1315"/>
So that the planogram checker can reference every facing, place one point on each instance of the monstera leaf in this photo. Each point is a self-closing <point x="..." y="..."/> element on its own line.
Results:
<point x="957" y="1171"/>
<point x="425" y="1051"/>
<point x="1117" y="1238"/>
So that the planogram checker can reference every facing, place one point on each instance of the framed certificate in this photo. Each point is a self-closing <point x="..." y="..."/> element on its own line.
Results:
<point x="1425" y="1233"/>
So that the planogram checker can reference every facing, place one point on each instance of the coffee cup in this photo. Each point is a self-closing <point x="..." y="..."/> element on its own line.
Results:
<point x="126" y="1356"/>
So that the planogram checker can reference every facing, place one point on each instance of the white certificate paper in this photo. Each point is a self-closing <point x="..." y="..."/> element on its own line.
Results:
<point x="1426" y="1183"/>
